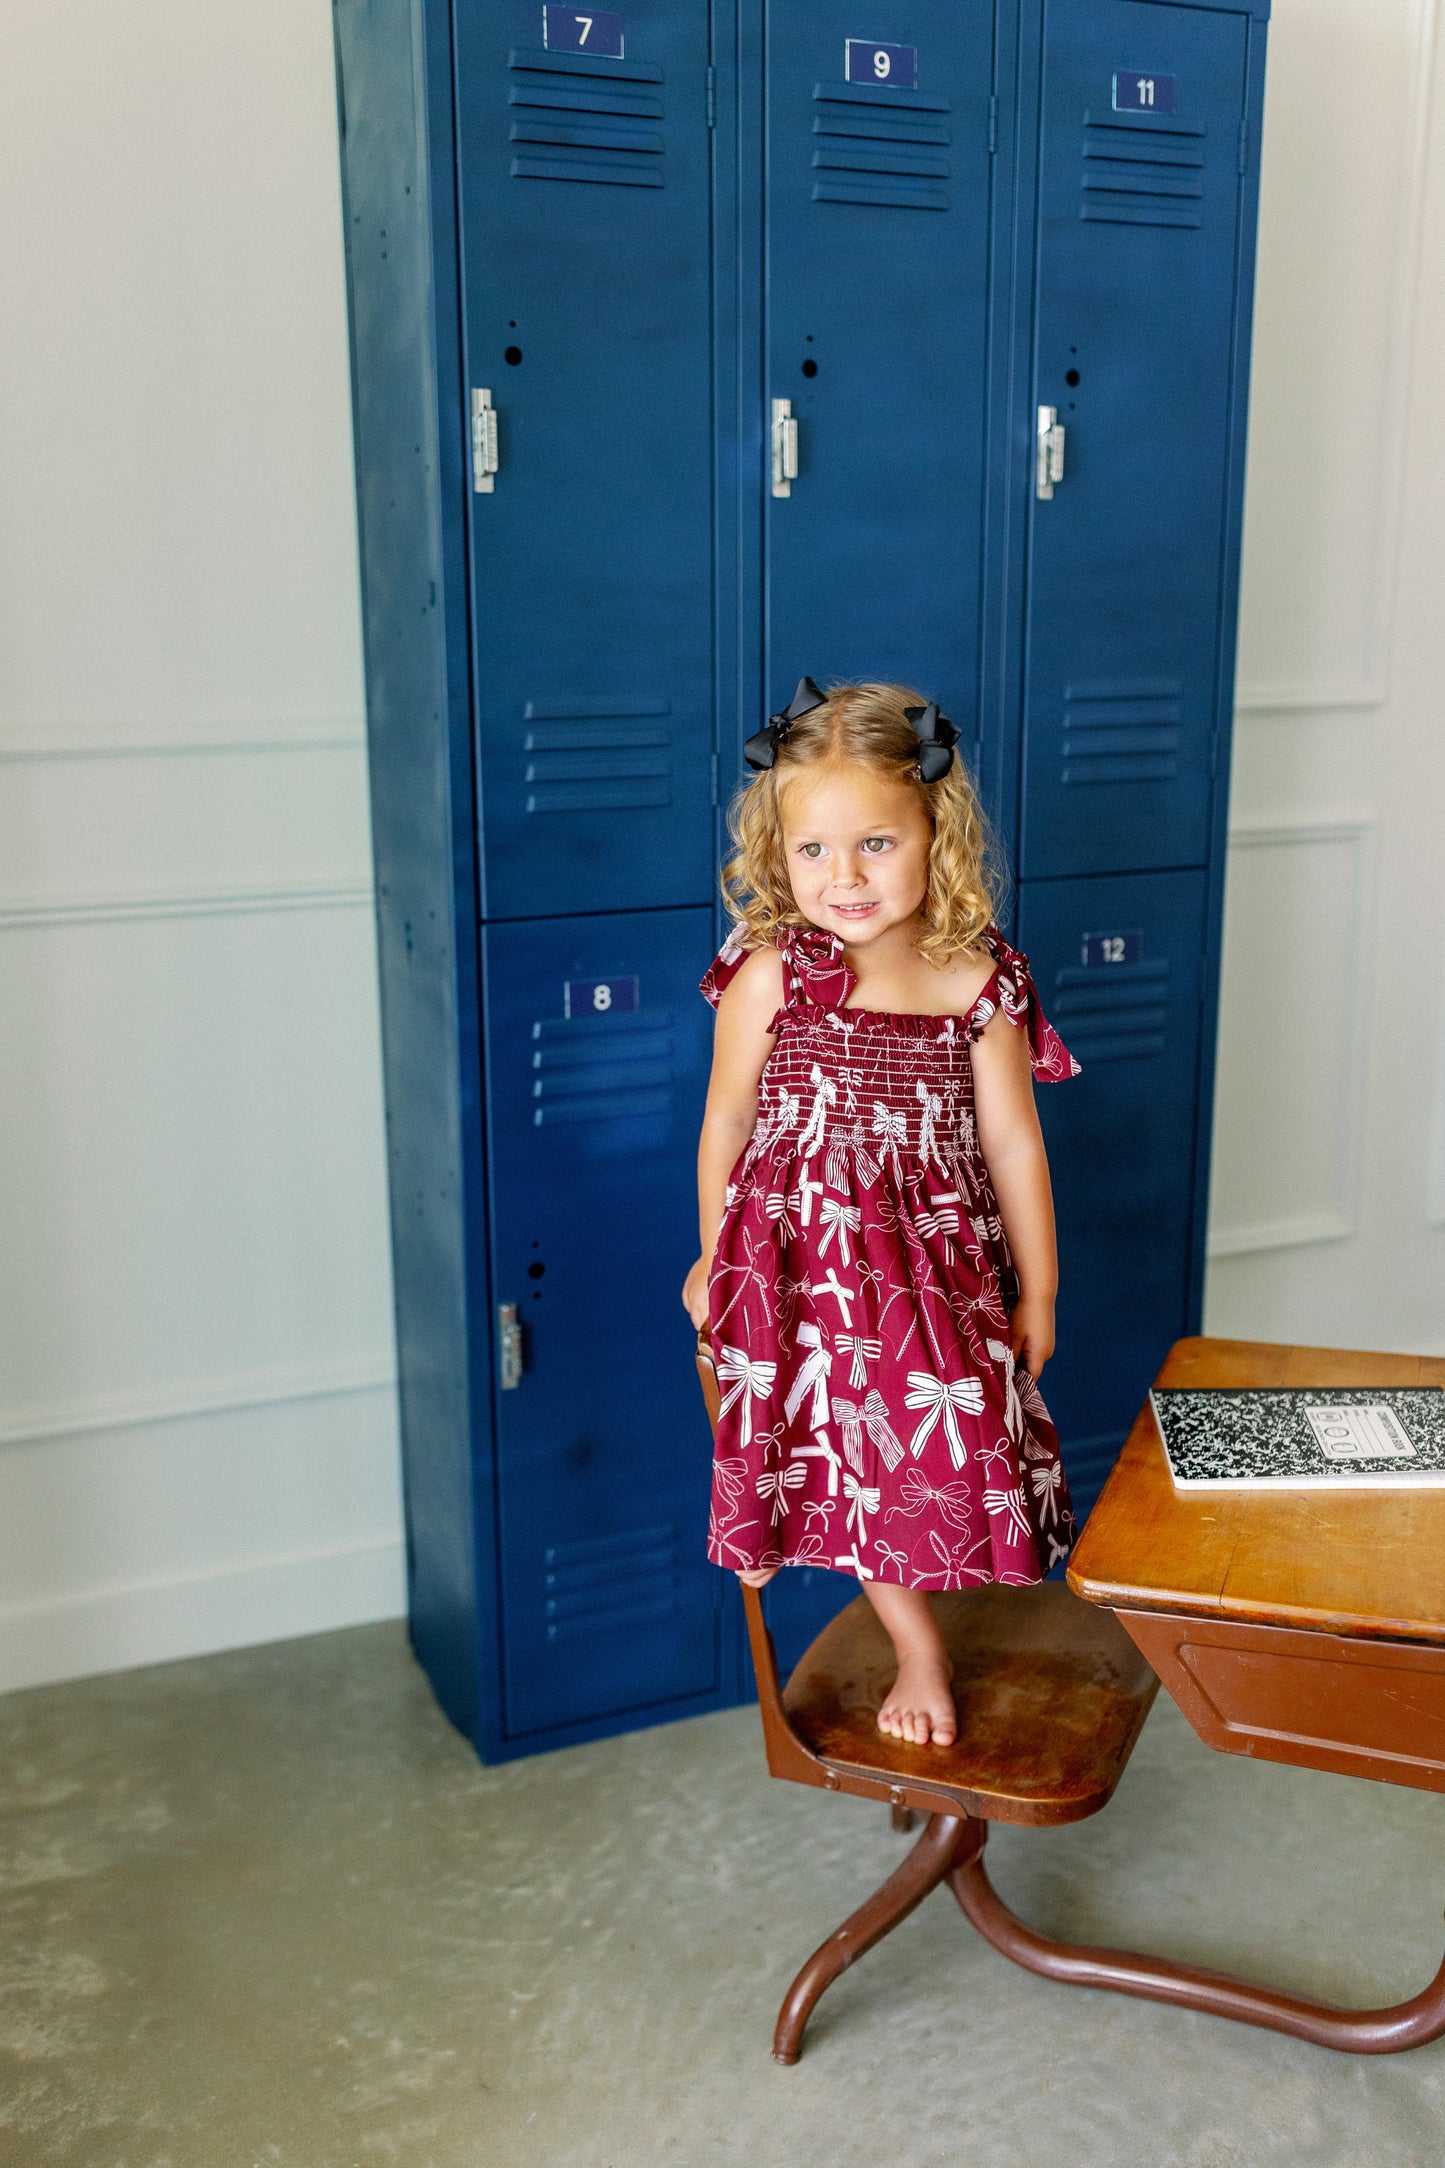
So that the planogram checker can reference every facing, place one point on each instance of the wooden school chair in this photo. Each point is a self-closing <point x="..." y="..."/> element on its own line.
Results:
<point x="1052" y="1695"/>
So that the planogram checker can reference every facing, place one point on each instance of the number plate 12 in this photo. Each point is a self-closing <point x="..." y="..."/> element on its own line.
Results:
<point x="569" y="30"/>
<point x="1112" y="948"/>
<point x="865" y="62"/>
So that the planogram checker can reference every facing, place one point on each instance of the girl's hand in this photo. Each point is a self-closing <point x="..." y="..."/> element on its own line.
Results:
<point x="757" y="1576"/>
<point x="1031" y="1333"/>
<point x="694" y="1292"/>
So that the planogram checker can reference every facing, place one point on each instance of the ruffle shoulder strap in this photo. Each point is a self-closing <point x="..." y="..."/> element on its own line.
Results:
<point x="724" y="967"/>
<point x="1012" y="989"/>
<point x="814" y="972"/>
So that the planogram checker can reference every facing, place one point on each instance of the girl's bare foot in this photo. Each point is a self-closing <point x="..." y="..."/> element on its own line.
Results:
<point x="919" y="1708"/>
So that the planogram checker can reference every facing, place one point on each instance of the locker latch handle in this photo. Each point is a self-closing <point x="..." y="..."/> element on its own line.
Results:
<point x="509" y="1346"/>
<point x="1050" y="464"/>
<point x="484" y="442"/>
<point x="785" y="448"/>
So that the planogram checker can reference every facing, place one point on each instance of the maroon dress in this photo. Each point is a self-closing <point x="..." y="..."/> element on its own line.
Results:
<point x="872" y="1416"/>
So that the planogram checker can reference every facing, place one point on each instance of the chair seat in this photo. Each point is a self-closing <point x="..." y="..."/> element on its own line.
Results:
<point x="1051" y="1696"/>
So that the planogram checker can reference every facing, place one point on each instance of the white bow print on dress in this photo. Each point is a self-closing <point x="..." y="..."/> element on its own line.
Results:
<point x="850" y="1422"/>
<point x="1047" y="1482"/>
<point x="944" y="1221"/>
<point x="844" y="1142"/>
<point x="890" y="1128"/>
<point x="840" y="1220"/>
<point x="775" y="1483"/>
<point x="854" y="1344"/>
<point x="942" y="1400"/>
<point x="822" y="1449"/>
<point x="1008" y="1504"/>
<point x="932" y="1106"/>
<point x="804" y="1194"/>
<point x="950" y="1500"/>
<point x="825" y="1095"/>
<point x="1014" y="1407"/>
<point x="784" y="1116"/>
<point x="861" y="1501"/>
<point x="778" y="1207"/>
<point x="880" y="1430"/>
<point x="813" y="1372"/>
<point x="749" y="1381"/>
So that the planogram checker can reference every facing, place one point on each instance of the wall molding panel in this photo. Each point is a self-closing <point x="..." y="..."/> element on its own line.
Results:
<point x="176" y="1616"/>
<point x="20" y="913"/>
<point x="1390" y="466"/>
<point x="128" y="741"/>
<point x="212" y="1396"/>
<point x="1435" y="1177"/>
<point x="1334" y="1216"/>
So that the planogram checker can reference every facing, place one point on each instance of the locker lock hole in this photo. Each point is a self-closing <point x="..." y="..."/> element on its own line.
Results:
<point x="1071" y="376"/>
<point x="512" y="356"/>
<point x="536" y="1270"/>
<point x="810" y="367"/>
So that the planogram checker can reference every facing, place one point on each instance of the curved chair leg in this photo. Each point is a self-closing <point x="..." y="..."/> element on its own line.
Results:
<point x="1355" y="2032"/>
<point x="930" y="1862"/>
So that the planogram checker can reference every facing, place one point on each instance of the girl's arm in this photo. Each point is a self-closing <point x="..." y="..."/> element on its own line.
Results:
<point x="741" y="1045"/>
<point x="1013" y="1150"/>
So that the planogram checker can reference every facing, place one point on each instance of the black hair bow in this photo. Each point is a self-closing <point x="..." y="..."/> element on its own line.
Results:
<point x="761" y="749"/>
<point x="936" y="739"/>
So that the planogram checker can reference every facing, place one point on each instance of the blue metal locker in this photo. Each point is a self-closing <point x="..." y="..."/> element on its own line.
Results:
<point x="875" y="248"/>
<point x="585" y="241"/>
<point x="694" y="348"/>
<point x="1138" y="225"/>
<point x="1121" y="1138"/>
<point x="598" y="1053"/>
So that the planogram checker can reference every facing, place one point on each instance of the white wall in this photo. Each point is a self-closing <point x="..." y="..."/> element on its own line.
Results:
<point x="1328" y="1210"/>
<point x="197" y="1428"/>
<point x="197" y="1410"/>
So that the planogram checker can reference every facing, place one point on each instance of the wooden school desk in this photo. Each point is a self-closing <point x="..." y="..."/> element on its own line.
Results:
<point x="1303" y="1626"/>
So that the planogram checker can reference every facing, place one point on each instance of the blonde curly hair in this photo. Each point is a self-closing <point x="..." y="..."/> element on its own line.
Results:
<point x="866" y="724"/>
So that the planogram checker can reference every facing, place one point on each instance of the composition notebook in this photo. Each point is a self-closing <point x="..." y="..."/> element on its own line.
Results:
<point x="1275" y="1439"/>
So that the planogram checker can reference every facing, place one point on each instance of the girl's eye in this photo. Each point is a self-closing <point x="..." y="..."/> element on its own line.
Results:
<point x="811" y="850"/>
<point x="878" y="843"/>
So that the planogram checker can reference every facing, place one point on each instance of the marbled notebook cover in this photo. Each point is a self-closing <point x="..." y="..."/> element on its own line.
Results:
<point x="1355" y="1436"/>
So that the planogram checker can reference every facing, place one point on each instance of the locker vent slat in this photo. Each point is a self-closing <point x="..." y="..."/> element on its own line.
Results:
<point x="610" y="148"/>
<point x="874" y="153"/>
<point x="610" y="1582"/>
<point x="601" y="1068"/>
<point x="1117" y="732"/>
<point x="1141" y="175"/>
<point x="589" y="756"/>
<point x="1114" y="1012"/>
<point x="893" y="129"/>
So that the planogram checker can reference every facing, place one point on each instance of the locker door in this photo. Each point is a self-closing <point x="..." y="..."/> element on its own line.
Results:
<point x="876" y="222"/>
<point x="584" y="183"/>
<point x="1135" y="299"/>
<point x="603" y="1453"/>
<point x="1118" y="961"/>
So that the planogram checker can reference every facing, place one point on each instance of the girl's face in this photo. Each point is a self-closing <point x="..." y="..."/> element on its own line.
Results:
<point x="856" y="846"/>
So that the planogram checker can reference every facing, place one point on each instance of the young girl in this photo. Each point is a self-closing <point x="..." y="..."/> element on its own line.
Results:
<point x="878" y="1265"/>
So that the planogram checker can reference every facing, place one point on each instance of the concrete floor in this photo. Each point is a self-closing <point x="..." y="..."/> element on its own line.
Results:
<point x="265" y="1910"/>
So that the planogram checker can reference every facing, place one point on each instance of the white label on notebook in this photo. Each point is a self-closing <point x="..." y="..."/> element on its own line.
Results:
<point x="1363" y="1431"/>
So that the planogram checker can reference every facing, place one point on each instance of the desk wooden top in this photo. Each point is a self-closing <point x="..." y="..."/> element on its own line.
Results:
<point x="1367" y="1563"/>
